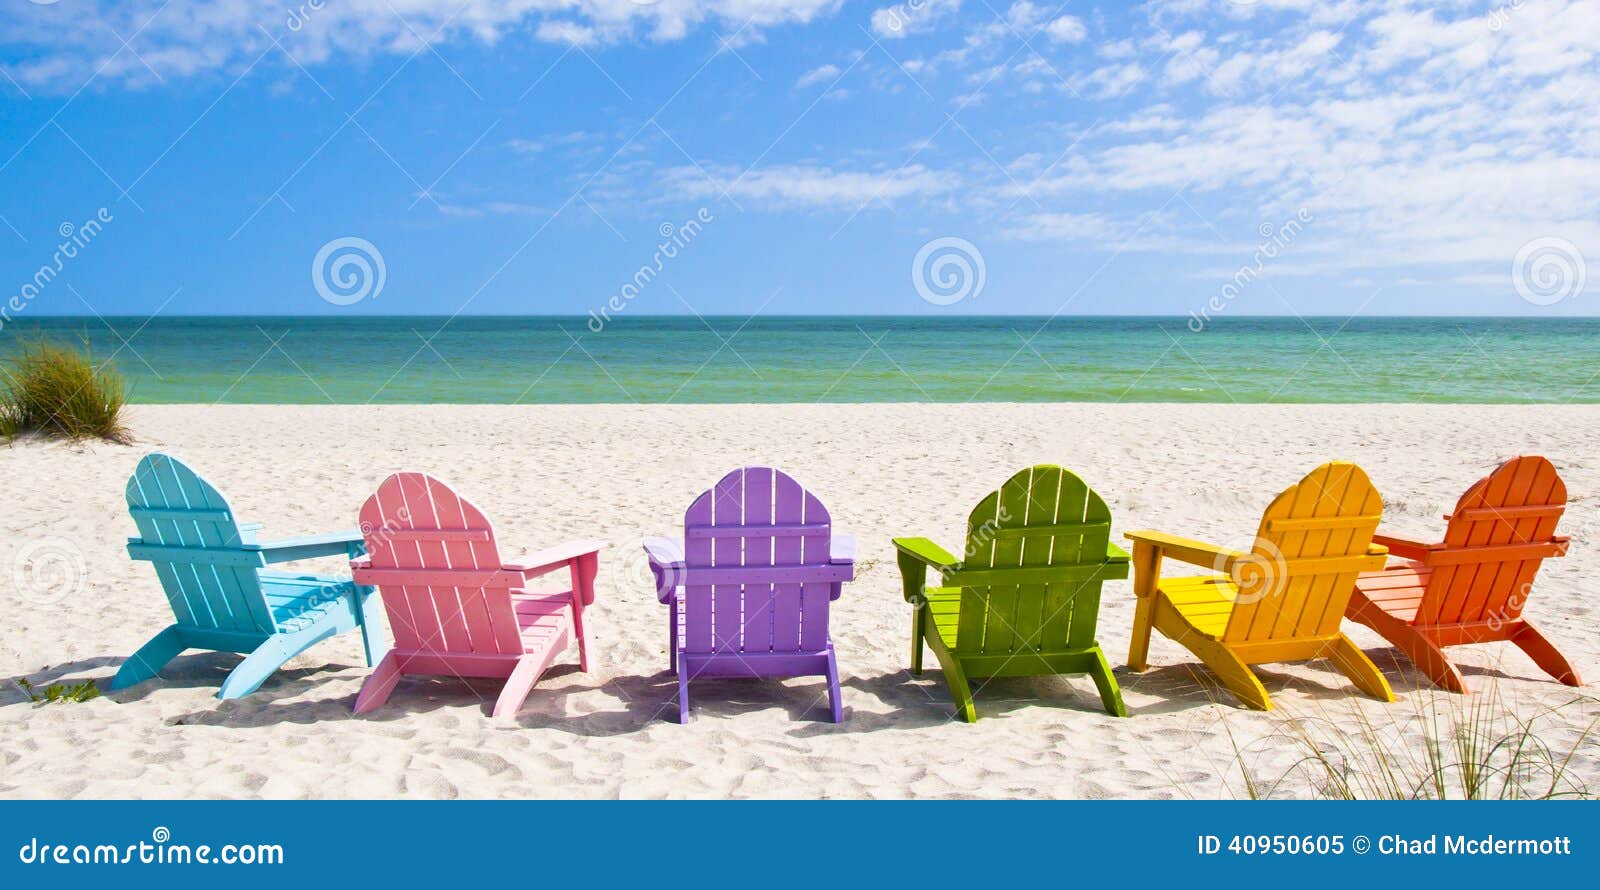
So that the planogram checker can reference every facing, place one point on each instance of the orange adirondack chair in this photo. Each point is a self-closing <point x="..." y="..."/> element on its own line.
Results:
<point x="1471" y="587"/>
<point x="1282" y="601"/>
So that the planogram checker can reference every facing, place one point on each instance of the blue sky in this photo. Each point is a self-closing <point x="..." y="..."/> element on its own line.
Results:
<point x="1266" y="157"/>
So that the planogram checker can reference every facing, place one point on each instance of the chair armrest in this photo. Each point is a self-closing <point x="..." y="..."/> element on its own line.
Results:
<point x="666" y="564"/>
<point x="926" y="552"/>
<point x="343" y="543"/>
<point x="532" y="565"/>
<point x="842" y="548"/>
<point x="1199" y="553"/>
<point x="842" y="552"/>
<point x="1115" y="553"/>
<point x="916" y="556"/>
<point x="1403" y="547"/>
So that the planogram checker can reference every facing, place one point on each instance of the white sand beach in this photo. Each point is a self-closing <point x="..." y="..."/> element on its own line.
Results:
<point x="619" y="473"/>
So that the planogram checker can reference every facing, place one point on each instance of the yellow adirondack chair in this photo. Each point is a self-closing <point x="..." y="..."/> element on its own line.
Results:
<point x="1283" y="600"/>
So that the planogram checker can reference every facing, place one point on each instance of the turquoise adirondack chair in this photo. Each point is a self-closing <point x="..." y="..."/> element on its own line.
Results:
<point x="212" y="570"/>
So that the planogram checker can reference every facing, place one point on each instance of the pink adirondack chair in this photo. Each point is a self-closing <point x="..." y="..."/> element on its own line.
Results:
<point x="759" y="567"/>
<point x="455" y="606"/>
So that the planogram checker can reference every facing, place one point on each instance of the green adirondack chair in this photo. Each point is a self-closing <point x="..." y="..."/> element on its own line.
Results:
<point x="1025" y="598"/>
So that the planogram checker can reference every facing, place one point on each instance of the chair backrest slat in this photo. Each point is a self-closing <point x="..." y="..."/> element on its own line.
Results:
<point x="1509" y="512"/>
<point x="189" y="533"/>
<point x="1312" y="543"/>
<point x="434" y="560"/>
<point x="1033" y="566"/>
<point x="757" y="573"/>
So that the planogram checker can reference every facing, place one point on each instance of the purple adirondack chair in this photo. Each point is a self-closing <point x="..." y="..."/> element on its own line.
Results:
<point x="753" y="581"/>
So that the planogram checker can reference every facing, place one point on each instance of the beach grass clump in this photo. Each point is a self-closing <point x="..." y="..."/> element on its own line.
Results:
<point x="60" y="693"/>
<point x="58" y="391"/>
<point x="1451" y="747"/>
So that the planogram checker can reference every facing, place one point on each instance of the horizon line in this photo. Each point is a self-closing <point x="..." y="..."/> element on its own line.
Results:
<point x="775" y="315"/>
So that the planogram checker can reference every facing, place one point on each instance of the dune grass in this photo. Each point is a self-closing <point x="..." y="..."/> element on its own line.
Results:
<point x="57" y="391"/>
<point x="57" y="693"/>
<point x="1446" y="747"/>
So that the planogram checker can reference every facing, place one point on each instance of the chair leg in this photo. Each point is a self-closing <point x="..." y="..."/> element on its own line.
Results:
<point x="917" y="617"/>
<point x="582" y="634"/>
<point x="1110" y="692"/>
<point x="1230" y="669"/>
<point x="518" y="685"/>
<point x="269" y="656"/>
<point x="835" y="700"/>
<point x="150" y="659"/>
<point x="683" y="695"/>
<point x="369" y="612"/>
<point x="1146" y="588"/>
<point x="672" y="637"/>
<point x="1544" y="654"/>
<point x="1427" y="655"/>
<point x="1143" y="620"/>
<point x="377" y="688"/>
<point x="954" y="677"/>
<point x="1359" y="668"/>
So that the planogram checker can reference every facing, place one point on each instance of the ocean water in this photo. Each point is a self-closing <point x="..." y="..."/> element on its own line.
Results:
<point x="838" y="359"/>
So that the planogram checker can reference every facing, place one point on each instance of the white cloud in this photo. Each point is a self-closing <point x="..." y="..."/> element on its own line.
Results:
<point x="823" y="74"/>
<point x="1429" y="145"/>
<point x="1066" y="29"/>
<point x="559" y="31"/>
<point x="810" y="186"/>
<point x="1087" y="227"/>
<point x="67" y="42"/>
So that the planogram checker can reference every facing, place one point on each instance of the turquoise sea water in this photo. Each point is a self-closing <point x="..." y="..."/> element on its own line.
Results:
<point x="840" y="359"/>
